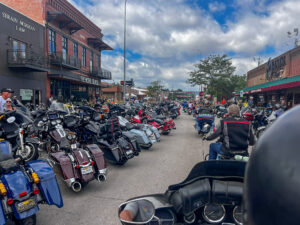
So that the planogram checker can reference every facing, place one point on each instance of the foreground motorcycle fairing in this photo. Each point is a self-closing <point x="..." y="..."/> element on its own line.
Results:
<point x="24" y="186"/>
<point x="211" y="194"/>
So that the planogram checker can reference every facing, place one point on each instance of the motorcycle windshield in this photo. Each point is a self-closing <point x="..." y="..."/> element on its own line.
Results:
<point x="213" y="169"/>
<point x="58" y="106"/>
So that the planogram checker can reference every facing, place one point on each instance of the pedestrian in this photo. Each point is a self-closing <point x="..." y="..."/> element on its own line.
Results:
<point x="8" y="106"/>
<point x="5" y="94"/>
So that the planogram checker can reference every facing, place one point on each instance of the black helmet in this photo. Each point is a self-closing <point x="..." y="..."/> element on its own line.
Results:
<point x="272" y="182"/>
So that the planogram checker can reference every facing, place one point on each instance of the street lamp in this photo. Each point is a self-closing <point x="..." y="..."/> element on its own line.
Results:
<point x="124" y="85"/>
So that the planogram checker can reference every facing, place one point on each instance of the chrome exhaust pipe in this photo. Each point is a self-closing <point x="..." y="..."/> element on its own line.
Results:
<point x="76" y="186"/>
<point x="101" y="177"/>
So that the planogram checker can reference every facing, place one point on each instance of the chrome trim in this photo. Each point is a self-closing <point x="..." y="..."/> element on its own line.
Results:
<point x="70" y="181"/>
<point x="233" y="212"/>
<point x="103" y="171"/>
<point x="214" y="221"/>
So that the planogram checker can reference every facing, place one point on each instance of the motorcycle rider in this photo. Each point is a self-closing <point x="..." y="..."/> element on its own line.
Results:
<point x="5" y="94"/>
<point x="235" y="135"/>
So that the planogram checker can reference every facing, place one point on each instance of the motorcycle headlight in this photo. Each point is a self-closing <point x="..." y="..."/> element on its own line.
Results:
<point x="58" y="121"/>
<point x="73" y="136"/>
<point x="44" y="119"/>
<point x="69" y="137"/>
<point x="53" y="122"/>
<point x="40" y="124"/>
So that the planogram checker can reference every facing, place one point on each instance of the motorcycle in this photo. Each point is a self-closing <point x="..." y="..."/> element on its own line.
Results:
<point x="205" y="123"/>
<point x="23" y="186"/>
<point x="220" y="111"/>
<point x="212" y="193"/>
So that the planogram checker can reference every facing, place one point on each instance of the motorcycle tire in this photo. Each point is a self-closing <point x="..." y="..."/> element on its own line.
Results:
<point x="27" y="221"/>
<point x="166" y="132"/>
<point x="147" y="146"/>
<point x="259" y="133"/>
<point x="33" y="152"/>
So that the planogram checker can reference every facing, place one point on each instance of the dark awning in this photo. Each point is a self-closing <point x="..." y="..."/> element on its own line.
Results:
<point x="64" y="21"/>
<point x="73" y="77"/>
<point x="98" y="43"/>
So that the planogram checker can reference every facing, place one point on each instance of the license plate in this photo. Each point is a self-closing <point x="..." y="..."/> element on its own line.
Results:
<point x="86" y="170"/>
<point x="28" y="204"/>
<point x="129" y="152"/>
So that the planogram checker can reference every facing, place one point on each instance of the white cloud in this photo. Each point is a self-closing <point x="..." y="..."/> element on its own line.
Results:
<point x="216" y="6"/>
<point x="170" y="34"/>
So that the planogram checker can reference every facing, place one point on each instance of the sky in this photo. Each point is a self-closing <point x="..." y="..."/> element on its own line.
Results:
<point x="166" y="38"/>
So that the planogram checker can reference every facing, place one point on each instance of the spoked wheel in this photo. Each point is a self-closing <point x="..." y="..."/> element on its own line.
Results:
<point x="29" y="153"/>
<point x="28" y="221"/>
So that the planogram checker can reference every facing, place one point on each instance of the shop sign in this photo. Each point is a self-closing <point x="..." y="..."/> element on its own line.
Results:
<point x="21" y="26"/>
<point x="26" y="94"/>
<point x="274" y="66"/>
<point x="256" y="90"/>
<point x="89" y="80"/>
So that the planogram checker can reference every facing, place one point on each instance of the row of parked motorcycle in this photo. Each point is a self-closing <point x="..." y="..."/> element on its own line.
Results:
<point x="76" y="142"/>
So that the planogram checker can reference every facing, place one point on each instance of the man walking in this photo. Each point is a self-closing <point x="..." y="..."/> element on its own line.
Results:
<point x="5" y="94"/>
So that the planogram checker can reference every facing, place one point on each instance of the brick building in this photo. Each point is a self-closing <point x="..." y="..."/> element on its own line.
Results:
<point x="72" y="47"/>
<point x="278" y="79"/>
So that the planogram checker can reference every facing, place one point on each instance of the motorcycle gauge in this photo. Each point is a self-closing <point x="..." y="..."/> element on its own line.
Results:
<point x="214" y="213"/>
<point x="238" y="215"/>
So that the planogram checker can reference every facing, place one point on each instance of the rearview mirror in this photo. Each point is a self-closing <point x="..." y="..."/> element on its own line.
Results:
<point x="139" y="211"/>
<point x="11" y="119"/>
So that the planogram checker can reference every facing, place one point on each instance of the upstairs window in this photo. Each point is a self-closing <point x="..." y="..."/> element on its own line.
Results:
<point x="75" y="50"/>
<point x="91" y="60"/>
<point x="52" y="42"/>
<point x="83" y="56"/>
<point x="64" y="48"/>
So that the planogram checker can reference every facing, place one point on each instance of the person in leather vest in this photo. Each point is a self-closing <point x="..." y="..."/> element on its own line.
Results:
<point x="235" y="135"/>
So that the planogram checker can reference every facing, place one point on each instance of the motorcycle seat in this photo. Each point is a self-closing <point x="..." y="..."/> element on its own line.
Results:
<point x="8" y="165"/>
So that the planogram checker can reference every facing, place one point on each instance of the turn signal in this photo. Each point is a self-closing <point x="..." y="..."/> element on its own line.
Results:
<point x="35" y="177"/>
<point x="10" y="201"/>
<point x="2" y="189"/>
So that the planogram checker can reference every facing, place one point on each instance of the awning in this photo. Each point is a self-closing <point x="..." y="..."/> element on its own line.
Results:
<point x="284" y="83"/>
<point x="64" y="21"/>
<point x="73" y="77"/>
<point x="98" y="43"/>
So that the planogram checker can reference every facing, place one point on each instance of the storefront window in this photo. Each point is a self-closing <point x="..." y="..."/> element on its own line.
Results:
<point x="83" y="56"/>
<point x="52" y="42"/>
<point x="64" y="48"/>
<point x="98" y="63"/>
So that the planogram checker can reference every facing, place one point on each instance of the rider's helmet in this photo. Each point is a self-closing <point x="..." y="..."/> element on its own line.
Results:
<point x="272" y="184"/>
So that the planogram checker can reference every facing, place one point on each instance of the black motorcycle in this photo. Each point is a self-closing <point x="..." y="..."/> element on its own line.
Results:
<point x="211" y="194"/>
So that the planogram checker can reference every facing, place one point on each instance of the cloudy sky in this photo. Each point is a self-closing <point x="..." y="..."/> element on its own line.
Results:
<point x="165" y="38"/>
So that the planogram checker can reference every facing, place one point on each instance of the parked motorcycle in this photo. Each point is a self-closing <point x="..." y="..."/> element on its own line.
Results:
<point x="212" y="193"/>
<point x="23" y="186"/>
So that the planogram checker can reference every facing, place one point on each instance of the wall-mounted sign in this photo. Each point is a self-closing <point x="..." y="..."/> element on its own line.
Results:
<point x="26" y="94"/>
<point x="21" y="26"/>
<point x="89" y="80"/>
<point x="274" y="66"/>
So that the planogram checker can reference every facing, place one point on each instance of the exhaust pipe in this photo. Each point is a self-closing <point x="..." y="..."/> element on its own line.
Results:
<point x="76" y="186"/>
<point x="101" y="177"/>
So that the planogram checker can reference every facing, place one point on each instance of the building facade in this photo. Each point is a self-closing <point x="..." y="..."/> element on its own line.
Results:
<point x="72" y="48"/>
<point x="276" y="80"/>
<point x="23" y="65"/>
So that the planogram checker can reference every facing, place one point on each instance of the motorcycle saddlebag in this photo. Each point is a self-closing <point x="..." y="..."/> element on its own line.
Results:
<point x="5" y="147"/>
<point x="98" y="156"/>
<point x="65" y="165"/>
<point x="2" y="216"/>
<point x="82" y="158"/>
<point x="48" y="184"/>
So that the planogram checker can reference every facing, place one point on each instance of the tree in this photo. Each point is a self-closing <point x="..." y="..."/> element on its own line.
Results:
<point x="217" y="72"/>
<point x="155" y="89"/>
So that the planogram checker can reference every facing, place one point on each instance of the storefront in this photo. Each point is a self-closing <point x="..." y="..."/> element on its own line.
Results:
<point x="276" y="80"/>
<point x="23" y="65"/>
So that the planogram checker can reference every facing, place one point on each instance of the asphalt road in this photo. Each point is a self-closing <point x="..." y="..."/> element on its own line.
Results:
<point x="166" y="163"/>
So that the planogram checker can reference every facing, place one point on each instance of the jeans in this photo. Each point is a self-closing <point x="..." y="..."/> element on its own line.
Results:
<point x="214" y="150"/>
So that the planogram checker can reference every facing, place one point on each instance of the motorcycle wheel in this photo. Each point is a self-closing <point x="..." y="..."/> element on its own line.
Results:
<point x="259" y="133"/>
<point x="147" y="146"/>
<point x="31" y="152"/>
<point x="27" y="221"/>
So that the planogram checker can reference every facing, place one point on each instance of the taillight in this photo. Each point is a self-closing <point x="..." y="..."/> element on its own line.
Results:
<point x="85" y="163"/>
<point x="92" y="163"/>
<point x="10" y="201"/>
<point x="36" y="191"/>
<point x="22" y="194"/>
<point x="22" y="132"/>
<point x="77" y="166"/>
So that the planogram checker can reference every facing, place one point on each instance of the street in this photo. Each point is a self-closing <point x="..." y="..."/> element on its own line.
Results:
<point x="166" y="163"/>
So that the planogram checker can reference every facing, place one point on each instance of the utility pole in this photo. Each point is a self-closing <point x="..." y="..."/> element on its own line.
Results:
<point x="124" y="85"/>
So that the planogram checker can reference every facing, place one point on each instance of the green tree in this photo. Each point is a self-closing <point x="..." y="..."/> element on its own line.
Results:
<point x="217" y="72"/>
<point x="155" y="89"/>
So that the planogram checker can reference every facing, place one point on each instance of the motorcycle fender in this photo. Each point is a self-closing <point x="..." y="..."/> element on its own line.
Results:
<point x="48" y="184"/>
<point x="261" y="128"/>
<point x="2" y="215"/>
<point x="16" y="183"/>
<point x="32" y="140"/>
<point x="81" y="157"/>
